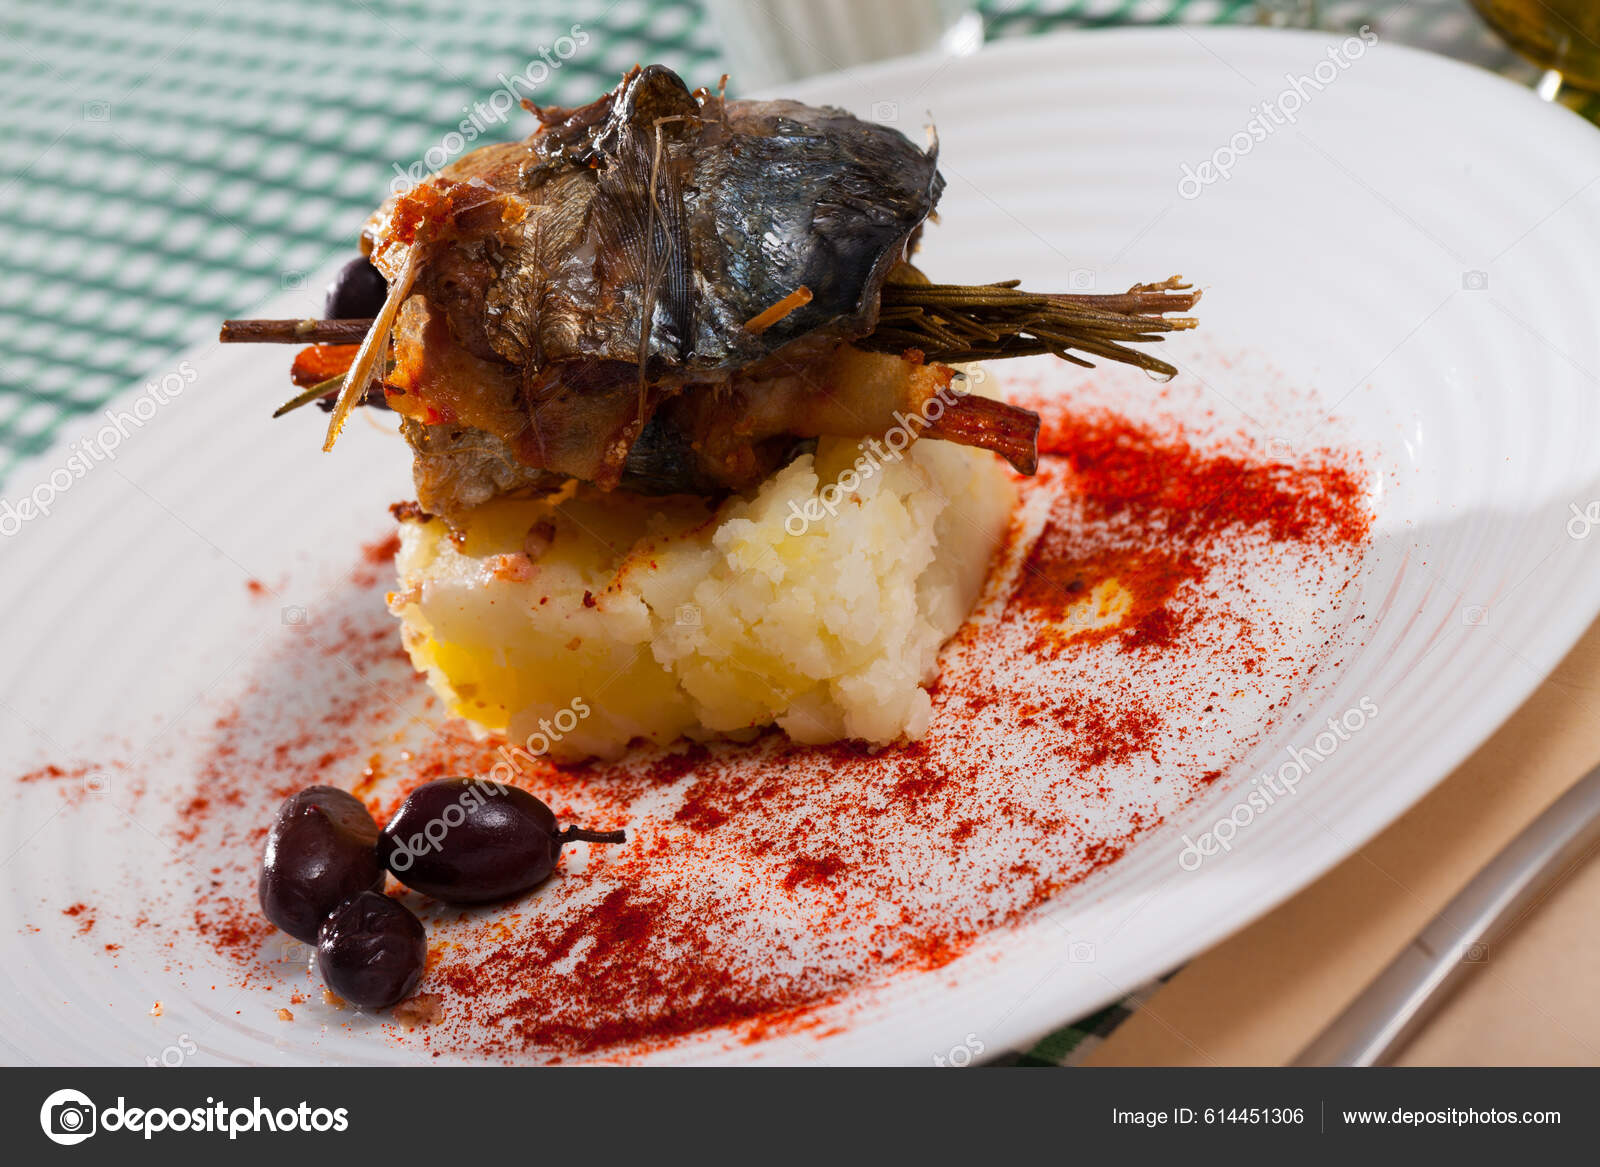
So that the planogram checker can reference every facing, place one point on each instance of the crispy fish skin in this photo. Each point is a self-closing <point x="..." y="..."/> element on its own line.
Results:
<point x="691" y="213"/>
<point x="457" y="468"/>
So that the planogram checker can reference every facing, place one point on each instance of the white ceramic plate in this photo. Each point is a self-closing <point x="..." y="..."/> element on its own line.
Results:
<point x="1412" y="255"/>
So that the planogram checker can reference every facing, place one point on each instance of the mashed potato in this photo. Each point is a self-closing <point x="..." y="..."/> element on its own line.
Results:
<point x="580" y="623"/>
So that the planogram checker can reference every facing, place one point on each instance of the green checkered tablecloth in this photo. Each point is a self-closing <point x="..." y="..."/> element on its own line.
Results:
<point x="168" y="163"/>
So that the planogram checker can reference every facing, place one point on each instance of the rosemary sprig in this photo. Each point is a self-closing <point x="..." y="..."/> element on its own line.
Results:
<point x="373" y="395"/>
<point x="973" y="322"/>
<point x="307" y="396"/>
<point x="952" y="323"/>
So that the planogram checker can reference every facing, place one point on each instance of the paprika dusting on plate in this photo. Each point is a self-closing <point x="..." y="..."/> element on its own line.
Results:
<point x="1159" y="603"/>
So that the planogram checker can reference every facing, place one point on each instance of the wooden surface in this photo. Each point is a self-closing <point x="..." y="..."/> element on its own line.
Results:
<point x="1260" y="996"/>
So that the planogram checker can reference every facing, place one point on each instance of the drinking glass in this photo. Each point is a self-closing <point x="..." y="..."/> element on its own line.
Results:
<point x="1562" y="37"/>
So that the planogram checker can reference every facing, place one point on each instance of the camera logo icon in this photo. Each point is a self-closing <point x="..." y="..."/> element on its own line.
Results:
<point x="68" y="1117"/>
<point x="1584" y="521"/>
<point x="885" y="111"/>
<point x="291" y="952"/>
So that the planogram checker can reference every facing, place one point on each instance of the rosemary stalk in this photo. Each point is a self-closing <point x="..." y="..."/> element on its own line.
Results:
<point x="952" y="323"/>
<point x="973" y="322"/>
<point x="307" y="396"/>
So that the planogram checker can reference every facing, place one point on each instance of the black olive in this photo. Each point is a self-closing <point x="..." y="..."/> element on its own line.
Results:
<point x="469" y="842"/>
<point x="371" y="951"/>
<point x="357" y="292"/>
<point x="321" y="850"/>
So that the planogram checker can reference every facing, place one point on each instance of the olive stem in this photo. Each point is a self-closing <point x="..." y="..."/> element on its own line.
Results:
<point x="578" y="834"/>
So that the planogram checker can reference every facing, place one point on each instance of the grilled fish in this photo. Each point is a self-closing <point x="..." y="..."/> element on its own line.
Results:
<point x="665" y="291"/>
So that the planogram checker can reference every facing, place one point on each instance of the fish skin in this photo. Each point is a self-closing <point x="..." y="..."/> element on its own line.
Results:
<point x="752" y="200"/>
<point x="652" y="204"/>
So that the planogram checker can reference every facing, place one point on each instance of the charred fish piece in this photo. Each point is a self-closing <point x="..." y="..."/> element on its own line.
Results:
<point x="669" y="292"/>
